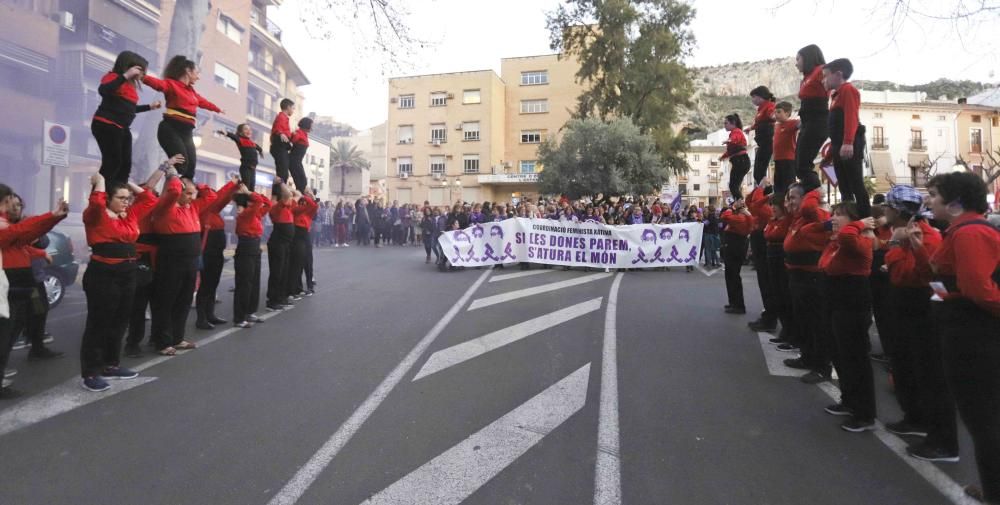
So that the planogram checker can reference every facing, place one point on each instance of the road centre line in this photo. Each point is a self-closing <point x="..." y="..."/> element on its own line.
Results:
<point x="607" y="471"/>
<point x="521" y="293"/>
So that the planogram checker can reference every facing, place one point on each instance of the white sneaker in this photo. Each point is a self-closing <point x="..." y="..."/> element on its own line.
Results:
<point x="336" y="245"/>
<point x="8" y="373"/>
<point x="347" y="245"/>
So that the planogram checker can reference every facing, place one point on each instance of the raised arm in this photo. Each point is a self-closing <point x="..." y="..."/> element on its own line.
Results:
<point x="157" y="84"/>
<point x="205" y="104"/>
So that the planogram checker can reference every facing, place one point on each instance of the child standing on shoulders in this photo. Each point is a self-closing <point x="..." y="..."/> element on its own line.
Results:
<point x="785" y="131"/>
<point x="763" y="126"/>
<point x="249" y="150"/>
<point x="736" y="153"/>
<point x="813" y="129"/>
<point x="847" y="134"/>
<point x="281" y="138"/>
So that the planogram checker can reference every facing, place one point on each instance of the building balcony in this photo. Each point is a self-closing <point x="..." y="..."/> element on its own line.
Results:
<point x="880" y="145"/>
<point x="258" y="19"/>
<point x="264" y="68"/>
<point x="918" y="145"/>
<point x="105" y="38"/>
<point x="260" y="112"/>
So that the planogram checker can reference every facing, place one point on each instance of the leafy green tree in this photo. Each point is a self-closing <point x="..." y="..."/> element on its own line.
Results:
<point x="630" y="55"/>
<point x="593" y="156"/>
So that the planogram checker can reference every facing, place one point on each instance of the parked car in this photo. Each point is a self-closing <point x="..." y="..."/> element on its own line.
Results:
<point x="61" y="273"/>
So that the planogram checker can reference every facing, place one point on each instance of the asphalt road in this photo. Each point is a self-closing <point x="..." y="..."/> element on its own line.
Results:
<point x="399" y="384"/>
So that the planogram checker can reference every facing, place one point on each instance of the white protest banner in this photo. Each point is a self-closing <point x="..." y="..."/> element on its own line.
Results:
<point x="580" y="244"/>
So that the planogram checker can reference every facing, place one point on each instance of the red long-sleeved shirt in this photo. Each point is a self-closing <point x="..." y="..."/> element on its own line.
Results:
<point x="281" y="126"/>
<point x="16" y="239"/>
<point x="102" y="228"/>
<point x="736" y="145"/>
<point x="848" y="252"/>
<point x="182" y="100"/>
<point x="300" y="137"/>
<point x="169" y="218"/>
<point x="759" y="206"/>
<point x="777" y="229"/>
<point x="737" y="223"/>
<point x="905" y="268"/>
<point x="281" y="212"/>
<point x="971" y="254"/>
<point x="812" y="85"/>
<point x="248" y="221"/>
<point x="847" y="99"/>
<point x="807" y="233"/>
<point x="765" y="114"/>
<point x="214" y="202"/>
<point x="304" y="212"/>
<point x="785" y="135"/>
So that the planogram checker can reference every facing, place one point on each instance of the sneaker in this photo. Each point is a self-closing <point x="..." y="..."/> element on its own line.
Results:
<point x="95" y="384"/>
<point x="8" y="373"/>
<point x="117" y="372"/>
<point x="47" y="338"/>
<point x="347" y="245"/>
<point x="20" y="344"/>
<point x="275" y="308"/>
<point x="336" y="245"/>
<point x="796" y="363"/>
<point x="133" y="351"/>
<point x="786" y="347"/>
<point x="286" y="306"/>
<point x="838" y="409"/>
<point x="43" y="354"/>
<point x="736" y="310"/>
<point x="8" y="393"/>
<point x="777" y="340"/>
<point x="855" y="425"/>
<point x="252" y="318"/>
<point x="880" y="358"/>
<point x="814" y="377"/>
<point x="310" y="292"/>
<point x="932" y="454"/>
<point x="6" y="383"/>
<point x="761" y="325"/>
<point x="242" y="324"/>
<point x="295" y="298"/>
<point x="905" y="427"/>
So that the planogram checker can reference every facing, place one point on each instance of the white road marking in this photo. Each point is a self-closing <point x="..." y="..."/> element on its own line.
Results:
<point x="775" y="358"/>
<point x="932" y="474"/>
<point x="465" y="351"/>
<point x="59" y="400"/>
<point x="454" y="475"/>
<point x="498" y="278"/>
<point x="708" y="273"/>
<point x="521" y="293"/>
<point x="307" y="474"/>
<point x="608" y="472"/>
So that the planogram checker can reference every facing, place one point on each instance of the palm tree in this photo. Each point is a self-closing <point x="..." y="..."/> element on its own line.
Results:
<point x="345" y="157"/>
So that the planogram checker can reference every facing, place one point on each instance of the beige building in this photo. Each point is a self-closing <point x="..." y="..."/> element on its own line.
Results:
<point x="701" y="184"/>
<point x="978" y="134"/>
<point x="473" y="136"/>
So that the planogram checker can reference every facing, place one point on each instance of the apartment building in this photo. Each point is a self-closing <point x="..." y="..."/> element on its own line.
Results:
<point x="473" y="136"/>
<point x="978" y="136"/>
<point x="703" y="184"/>
<point x="317" y="167"/>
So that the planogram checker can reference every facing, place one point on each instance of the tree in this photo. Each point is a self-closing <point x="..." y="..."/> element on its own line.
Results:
<point x="989" y="167"/>
<point x="346" y="157"/>
<point x="631" y="64"/>
<point x="595" y="156"/>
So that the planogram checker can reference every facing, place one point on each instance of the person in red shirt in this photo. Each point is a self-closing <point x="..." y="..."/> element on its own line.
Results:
<point x="300" y="144"/>
<point x="279" y="245"/>
<point x="777" y="276"/>
<point x="301" y="258"/>
<point x="739" y="223"/>
<point x="736" y="153"/>
<point x="176" y="131"/>
<point x="813" y="113"/>
<point x="760" y="208"/>
<point x="281" y="138"/>
<point x="917" y="370"/>
<point x="847" y="262"/>
<point x="785" y="131"/>
<point x="145" y="248"/>
<point x="967" y="265"/>
<point x="213" y="230"/>
<point x="847" y="134"/>
<point x="763" y="127"/>
<point x="251" y="208"/>
<point x="113" y="118"/>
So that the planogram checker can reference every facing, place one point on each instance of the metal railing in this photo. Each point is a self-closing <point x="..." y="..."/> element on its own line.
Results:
<point x="262" y="66"/>
<point x="259" y="111"/>
<point x="880" y="144"/>
<point x="114" y="42"/>
<point x="918" y="145"/>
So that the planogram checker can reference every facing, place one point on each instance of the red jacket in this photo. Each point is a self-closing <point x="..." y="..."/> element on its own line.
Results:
<point x="759" y="206"/>
<point x="304" y="212"/>
<point x="183" y="101"/>
<point x="248" y="221"/>
<point x="777" y="229"/>
<point x="737" y="224"/>
<point x="300" y="137"/>
<point x="971" y="254"/>
<point x="765" y="114"/>
<point x="169" y="218"/>
<point x="847" y="99"/>
<point x="848" y="252"/>
<point x="785" y="135"/>
<point x="812" y="85"/>
<point x="908" y="270"/>
<point x="736" y="145"/>
<point x="281" y="213"/>
<point x="214" y="202"/>
<point x="16" y="239"/>
<point x="807" y="235"/>
<point x="280" y="125"/>
<point x="102" y="228"/>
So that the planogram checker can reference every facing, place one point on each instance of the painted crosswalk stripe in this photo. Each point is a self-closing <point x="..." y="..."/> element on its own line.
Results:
<point x="517" y="275"/>
<point x="465" y="351"/>
<point x="607" y="472"/>
<point x="454" y="475"/>
<point x="521" y="293"/>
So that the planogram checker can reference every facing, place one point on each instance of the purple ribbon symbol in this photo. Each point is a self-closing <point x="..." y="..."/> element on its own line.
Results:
<point x="673" y="255"/>
<point x="489" y="254"/>
<point x="693" y="256"/>
<point x="508" y="252"/>
<point x="658" y="256"/>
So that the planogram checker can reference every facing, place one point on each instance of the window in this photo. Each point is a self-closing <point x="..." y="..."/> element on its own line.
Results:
<point x="471" y="96"/>
<point x="406" y="101"/>
<point x="406" y="134"/>
<point x="439" y="99"/>
<point x="996" y="122"/>
<point x="697" y="187"/>
<point x="437" y="164"/>
<point x="470" y="163"/>
<point x="534" y="106"/>
<point x="942" y="118"/>
<point x="878" y="137"/>
<point x="528" y="166"/>
<point x="976" y="140"/>
<point x="977" y="118"/>
<point x="470" y="130"/>
<point x="695" y="173"/>
<point x="229" y="28"/>
<point x="915" y="116"/>
<point x="438" y="133"/>
<point x="534" y="78"/>
<point x="917" y="140"/>
<point x="531" y="137"/>
<point x="227" y="77"/>
<point x="878" y="115"/>
<point x="697" y="157"/>
<point x="405" y="166"/>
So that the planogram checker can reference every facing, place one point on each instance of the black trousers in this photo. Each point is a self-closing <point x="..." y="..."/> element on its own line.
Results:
<point x="177" y="137"/>
<point x="734" y="254"/>
<point x="971" y="350"/>
<point x="813" y="133"/>
<point x="246" y="297"/>
<point x="307" y="267"/>
<point x="301" y="248"/>
<point x="784" y="175"/>
<point x="279" y="249"/>
<point x="363" y="233"/>
<point x="248" y="175"/>
<point x="295" y="166"/>
<point x="140" y="301"/>
<point x="879" y="283"/>
<point x="279" y="151"/>
<point x="848" y="298"/>
<point x="116" y="151"/>
<point x="29" y="309"/>
<point x="850" y="176"/>
<point x="173" y="289"/>
<point x="740" y="168"/>
<point x="212" y="260"/>
<point x="758" y="249"/>
<point x="764" y="136"/>
<point x="917" y="367"/>
<point x="6" y="342"/>
<point x="110" y="291"/>
<point x="812" y="333"/>
<point x="777" y="277"/>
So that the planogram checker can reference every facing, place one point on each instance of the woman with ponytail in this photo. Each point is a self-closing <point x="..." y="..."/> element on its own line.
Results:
<point x="813" y="115"/>
<point x="736" y="153"/>
<point x="763" y="128"/>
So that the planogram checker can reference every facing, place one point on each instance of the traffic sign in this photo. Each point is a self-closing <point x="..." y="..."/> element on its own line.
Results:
<point x="55" y="145"/>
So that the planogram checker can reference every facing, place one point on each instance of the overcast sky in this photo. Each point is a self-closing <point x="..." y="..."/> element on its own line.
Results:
<point x="353" y="89"/>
